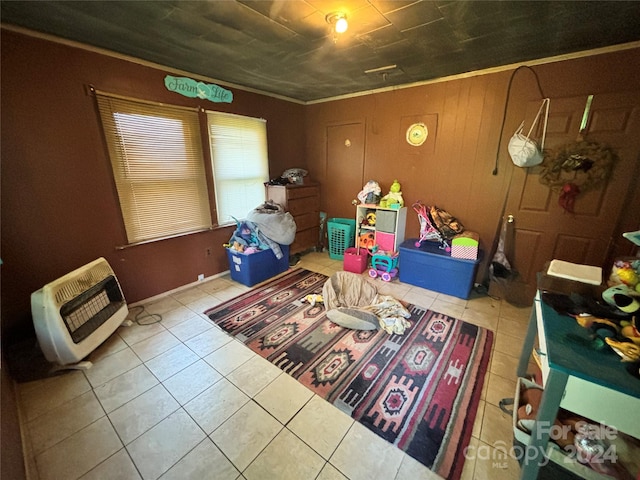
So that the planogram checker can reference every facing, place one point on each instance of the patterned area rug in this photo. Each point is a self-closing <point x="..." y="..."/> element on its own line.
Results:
<point x="419" y="391"/>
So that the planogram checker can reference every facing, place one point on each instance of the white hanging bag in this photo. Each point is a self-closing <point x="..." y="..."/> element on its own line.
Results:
<point x="524" y="151"/>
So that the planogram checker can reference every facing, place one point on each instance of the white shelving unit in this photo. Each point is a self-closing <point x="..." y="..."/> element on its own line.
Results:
<point x="389" y="227"/>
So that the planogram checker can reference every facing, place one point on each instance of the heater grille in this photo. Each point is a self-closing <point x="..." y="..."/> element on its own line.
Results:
<point x="91" y="308"/>
<point x="74" y="314"/>
<point x="83" y="282"/>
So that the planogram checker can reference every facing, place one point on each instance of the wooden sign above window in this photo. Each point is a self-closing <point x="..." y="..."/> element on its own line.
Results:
<point x="193" y="89"/>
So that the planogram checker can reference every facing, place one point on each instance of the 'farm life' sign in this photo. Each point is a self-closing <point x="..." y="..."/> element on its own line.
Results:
<point x="192" y="89"/>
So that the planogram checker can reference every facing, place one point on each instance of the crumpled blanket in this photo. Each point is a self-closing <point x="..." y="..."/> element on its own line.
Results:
<point x="391" y="314"/>
<point x="274" y="222"/>
<point x="347" y="289"/>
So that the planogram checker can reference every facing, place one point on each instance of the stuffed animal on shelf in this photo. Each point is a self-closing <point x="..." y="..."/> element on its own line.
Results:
<point x="393" y="199"/>
<point x="623" y="337"/>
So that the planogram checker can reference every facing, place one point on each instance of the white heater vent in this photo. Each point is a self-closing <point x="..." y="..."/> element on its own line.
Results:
<point x="74" y="314"/>
<point x="75" y="286"/>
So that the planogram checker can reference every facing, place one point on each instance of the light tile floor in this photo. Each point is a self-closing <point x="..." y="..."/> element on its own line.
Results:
<point x="181" y="399"/>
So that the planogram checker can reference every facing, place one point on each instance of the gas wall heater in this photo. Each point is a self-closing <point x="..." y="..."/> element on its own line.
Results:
<point x="74" y="314"/>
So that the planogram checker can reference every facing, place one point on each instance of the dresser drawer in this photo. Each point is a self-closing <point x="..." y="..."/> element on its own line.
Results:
<point x="301" y="192"/>
<point x="306" y="220"/>
<point x="298" y="206"/>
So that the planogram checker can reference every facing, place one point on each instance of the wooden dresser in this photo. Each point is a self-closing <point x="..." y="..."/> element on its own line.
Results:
<point x="303" y="202"/>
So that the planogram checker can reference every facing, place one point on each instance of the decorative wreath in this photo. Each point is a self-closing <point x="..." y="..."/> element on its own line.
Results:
<point x="582" y="164"/>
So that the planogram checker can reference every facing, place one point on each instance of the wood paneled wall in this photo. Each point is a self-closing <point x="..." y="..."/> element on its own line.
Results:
<point x="456" y="171"/>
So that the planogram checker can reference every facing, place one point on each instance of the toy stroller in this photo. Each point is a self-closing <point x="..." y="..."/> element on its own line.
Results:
<point x="428" y="230"/>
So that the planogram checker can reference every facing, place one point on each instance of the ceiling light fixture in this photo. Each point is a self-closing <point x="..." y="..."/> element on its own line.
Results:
<point x="381" y="69"/>
<point x="338" y="21"/>
<point x="384" y="71"/>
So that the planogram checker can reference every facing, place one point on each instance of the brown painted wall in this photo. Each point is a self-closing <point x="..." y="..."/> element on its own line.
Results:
<point x="455" y="171"/>
<point x="59" y="207"/>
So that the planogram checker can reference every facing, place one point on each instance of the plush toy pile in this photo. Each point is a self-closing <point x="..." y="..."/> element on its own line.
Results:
<point x="266" y="227"/>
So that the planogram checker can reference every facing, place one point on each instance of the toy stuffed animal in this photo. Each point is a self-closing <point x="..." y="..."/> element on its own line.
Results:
<point x="572" y="433"/>
<point x="313" y="299"/>
<point x="631" y="329"/>
<point x="530" y="399"/>
<point x="628" y="351"/>
<point x="394" y="197"/>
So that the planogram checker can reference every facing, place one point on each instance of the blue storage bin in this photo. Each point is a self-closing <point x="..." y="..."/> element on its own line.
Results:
<point x="432" y="268"/>
<point x="257" y="267"/>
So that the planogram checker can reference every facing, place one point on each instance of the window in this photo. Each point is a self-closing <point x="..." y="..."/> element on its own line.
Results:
<point x="240" y="163"/>
<point x="156" y="155"/>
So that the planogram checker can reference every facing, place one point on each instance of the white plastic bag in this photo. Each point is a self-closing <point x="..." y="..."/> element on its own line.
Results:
<point x="524" y="151"/>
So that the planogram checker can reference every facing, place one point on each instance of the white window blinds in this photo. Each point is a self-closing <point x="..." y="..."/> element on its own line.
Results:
<point x="240" y="163"/>
<point x="158" y="167"/>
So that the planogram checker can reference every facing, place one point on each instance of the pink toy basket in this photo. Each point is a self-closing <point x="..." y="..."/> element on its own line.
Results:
<point x="354" y="261"/>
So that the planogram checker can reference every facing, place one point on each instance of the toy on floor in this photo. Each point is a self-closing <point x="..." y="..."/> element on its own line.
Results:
<point x="313" y="299"/>
<point x="384" y="264"/>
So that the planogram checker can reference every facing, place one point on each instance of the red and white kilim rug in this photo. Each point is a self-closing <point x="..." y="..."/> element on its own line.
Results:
<point x="419" y="391"/>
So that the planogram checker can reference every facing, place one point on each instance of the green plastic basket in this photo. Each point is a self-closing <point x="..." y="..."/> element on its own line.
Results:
<point x="341" y="233"/>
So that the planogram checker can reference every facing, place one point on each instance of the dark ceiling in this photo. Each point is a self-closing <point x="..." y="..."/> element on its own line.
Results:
<point x="285" y="47"/>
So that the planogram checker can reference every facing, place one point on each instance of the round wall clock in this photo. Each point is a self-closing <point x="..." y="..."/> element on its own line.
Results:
<point x="417" y="134"/>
